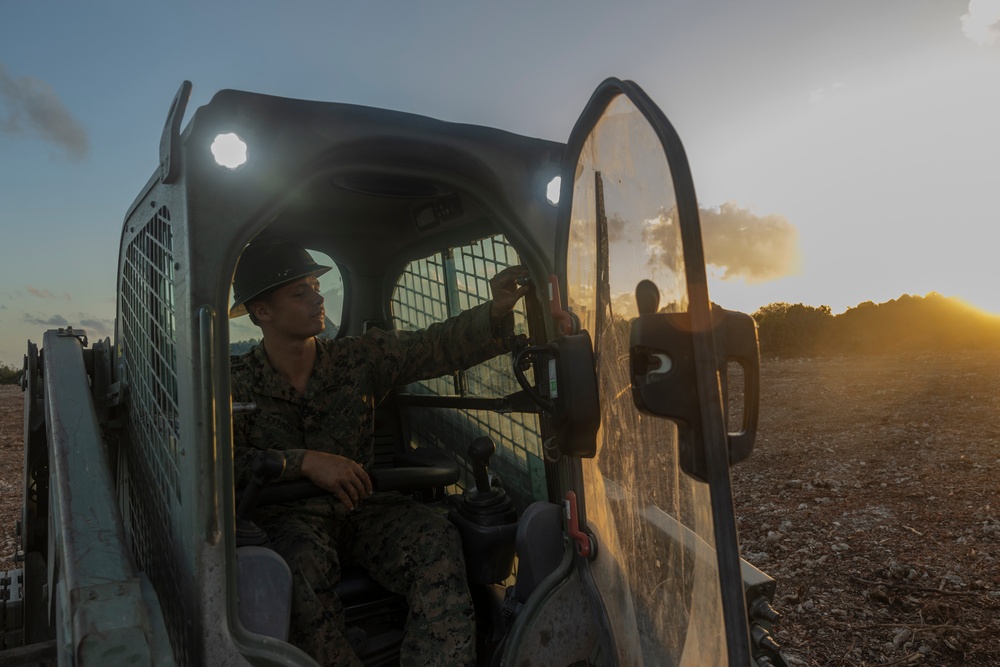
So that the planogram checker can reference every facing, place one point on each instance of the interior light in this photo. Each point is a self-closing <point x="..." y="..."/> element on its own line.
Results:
<point x="552" y="191"/>
<point x="229" y="150"/>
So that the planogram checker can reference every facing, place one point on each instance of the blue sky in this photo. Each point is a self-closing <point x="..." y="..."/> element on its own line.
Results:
<point x="852" y="144"/>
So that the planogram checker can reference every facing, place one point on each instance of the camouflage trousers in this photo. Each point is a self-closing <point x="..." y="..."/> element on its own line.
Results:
<point x="407" y="547"/>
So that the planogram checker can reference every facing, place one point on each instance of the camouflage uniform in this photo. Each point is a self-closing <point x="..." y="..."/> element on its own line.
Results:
<point x="408" y="548"/>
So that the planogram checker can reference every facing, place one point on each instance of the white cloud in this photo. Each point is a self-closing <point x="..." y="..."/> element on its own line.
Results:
<point x="982" y="23"/>
<point x="742" y="244"/>
<point x="738" y="243"/>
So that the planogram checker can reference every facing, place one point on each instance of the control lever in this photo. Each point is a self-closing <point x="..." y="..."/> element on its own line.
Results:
<point x="480" y="451"/>
<point x="267" y="467"/>
<point x="487" y="520"/>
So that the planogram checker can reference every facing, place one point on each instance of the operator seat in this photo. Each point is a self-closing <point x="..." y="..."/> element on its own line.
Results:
<point x="374" y="617"/>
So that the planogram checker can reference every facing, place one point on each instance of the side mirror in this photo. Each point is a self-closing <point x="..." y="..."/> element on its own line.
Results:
<point x="664" y="380"/>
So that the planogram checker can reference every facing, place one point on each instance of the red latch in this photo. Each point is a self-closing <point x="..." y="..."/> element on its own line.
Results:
<point x="555" y="308"/>
<point x="573" y="526"/>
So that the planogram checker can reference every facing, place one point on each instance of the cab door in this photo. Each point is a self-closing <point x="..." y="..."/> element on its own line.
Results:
<point x="656" y="497"/>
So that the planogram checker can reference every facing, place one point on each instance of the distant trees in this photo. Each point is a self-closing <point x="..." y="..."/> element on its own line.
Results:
<point x="792" y="330"/>
<point x="9" y="374"/>
<point x="907" y="324"/>
<point x="241" y="346"/>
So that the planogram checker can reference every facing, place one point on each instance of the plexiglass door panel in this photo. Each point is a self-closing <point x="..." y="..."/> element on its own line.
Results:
<point x="657" y="567"/>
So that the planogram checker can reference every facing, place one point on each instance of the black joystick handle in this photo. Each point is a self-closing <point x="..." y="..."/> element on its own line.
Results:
<point x="480" y="451"/>
<point x="267" y="467"/>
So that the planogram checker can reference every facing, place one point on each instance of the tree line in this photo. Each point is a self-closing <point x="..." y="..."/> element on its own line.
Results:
<point x="907" y="324"/>
<point x="9" y="374"/>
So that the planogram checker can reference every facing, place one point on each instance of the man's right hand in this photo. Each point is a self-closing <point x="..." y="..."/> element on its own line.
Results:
<point x="339" y="475"/>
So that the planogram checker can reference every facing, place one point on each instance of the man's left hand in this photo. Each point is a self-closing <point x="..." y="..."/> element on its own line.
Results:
<point x="507" y="287"/>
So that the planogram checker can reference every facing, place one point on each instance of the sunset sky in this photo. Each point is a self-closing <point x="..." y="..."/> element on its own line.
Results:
<point x="842" y="151"/>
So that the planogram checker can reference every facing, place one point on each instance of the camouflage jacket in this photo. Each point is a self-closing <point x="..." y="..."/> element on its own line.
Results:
<point x="349" y="378"/>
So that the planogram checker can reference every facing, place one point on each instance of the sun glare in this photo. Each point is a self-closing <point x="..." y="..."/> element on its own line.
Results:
<point x="985" y="311"/>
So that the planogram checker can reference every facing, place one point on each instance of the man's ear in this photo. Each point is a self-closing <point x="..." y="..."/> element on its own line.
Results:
<point x="260" y="310"/>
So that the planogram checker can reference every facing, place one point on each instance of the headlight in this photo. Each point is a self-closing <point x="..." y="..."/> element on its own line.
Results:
<point x="229" y="151"/>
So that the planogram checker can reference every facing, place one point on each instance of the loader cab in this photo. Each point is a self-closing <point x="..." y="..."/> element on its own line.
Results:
<point x="606" y="418"/>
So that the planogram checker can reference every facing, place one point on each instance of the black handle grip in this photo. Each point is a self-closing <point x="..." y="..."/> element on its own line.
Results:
<point x="742" y="348"/>
<point x="480" y="451"/>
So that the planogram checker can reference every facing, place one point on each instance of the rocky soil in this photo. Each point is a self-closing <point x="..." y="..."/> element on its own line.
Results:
<point x="11" y="470"/>
<point x="871" y="497"/>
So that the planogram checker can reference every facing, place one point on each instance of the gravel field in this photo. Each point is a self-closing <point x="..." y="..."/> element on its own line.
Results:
<point x="872" y="498"/>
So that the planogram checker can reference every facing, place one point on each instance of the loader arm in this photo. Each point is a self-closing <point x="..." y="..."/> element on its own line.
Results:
<point x="104" y="611"/>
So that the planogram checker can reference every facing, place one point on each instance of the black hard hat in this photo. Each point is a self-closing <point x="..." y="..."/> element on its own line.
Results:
<point x="268" y="263"/>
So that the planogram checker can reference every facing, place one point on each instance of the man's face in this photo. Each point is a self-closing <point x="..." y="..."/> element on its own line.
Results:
<point x="294" y="310"/>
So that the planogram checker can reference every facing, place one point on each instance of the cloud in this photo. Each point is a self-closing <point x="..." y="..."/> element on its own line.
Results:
<point x="744" y="245"/>
<point x="663" y="240"/>
<point x="820" y="94"/>
<point x="616" y="228"/>
<point x="54" y="321"/>
<point x="982" y="23"/>
<point x="29" y="106"/>
<point x="95" y="327"/>
<point x="45" y="294"/>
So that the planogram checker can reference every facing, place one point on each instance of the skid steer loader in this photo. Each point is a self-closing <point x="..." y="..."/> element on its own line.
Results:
<point x="606" y="433"/>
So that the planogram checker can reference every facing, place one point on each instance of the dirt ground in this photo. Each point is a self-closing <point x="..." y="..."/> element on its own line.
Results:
<point x="11" y="470"/>
<point x="871" y="497"/>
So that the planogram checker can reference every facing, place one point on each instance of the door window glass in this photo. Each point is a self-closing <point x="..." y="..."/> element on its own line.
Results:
<point x="657" y="569"/>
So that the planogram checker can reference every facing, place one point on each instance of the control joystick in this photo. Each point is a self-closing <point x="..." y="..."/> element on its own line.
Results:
<point x="487" y="505"/>
<point x="487" y="520"/>
<point x="480" y="452"/>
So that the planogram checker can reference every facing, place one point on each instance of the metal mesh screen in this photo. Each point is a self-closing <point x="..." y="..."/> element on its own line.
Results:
<point x="148" y="480"/>
<point x="431" y="290"/>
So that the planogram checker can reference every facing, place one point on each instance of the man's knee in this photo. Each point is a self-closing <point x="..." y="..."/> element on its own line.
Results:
<point x="435" y="538"/>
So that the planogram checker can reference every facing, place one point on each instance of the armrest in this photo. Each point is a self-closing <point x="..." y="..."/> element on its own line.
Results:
<point x="414" y="470"/>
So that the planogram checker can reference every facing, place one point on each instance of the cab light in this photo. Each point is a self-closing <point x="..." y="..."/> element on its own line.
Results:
<point x="552" y="191"/>
<point x="229" y="151"/>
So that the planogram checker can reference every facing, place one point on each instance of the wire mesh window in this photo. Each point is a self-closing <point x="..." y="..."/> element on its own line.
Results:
<point x="441" y="286"/>
<point x="148" y="469"/>
<point x="148" y="333"/>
